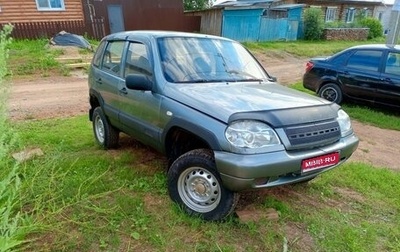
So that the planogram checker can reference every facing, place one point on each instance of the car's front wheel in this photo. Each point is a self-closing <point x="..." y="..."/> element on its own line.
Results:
<point x="331" y="92"/>
<point x="194" y="183"/>
<point x="106" y="135"/>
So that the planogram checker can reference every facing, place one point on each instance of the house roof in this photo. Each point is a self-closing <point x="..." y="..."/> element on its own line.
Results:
<point x="288" y="6"/>
<point x="388" y="2"/>
<point x="366" y="1"/>
<point x="241" y="3"/>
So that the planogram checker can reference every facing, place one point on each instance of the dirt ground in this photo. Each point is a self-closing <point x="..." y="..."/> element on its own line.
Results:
<point x="51" y="97"/>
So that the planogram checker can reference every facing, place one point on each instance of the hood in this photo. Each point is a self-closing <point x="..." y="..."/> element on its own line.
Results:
<point x="221" y="100"/>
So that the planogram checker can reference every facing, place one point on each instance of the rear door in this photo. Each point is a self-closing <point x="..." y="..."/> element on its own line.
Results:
<point x="108" y="78"/>
<point x="361" y="74"/>
<point x="388" y="90"/>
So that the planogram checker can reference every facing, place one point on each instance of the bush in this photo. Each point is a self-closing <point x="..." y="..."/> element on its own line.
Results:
<point x="375" y="27"/>
<point x="313" y="24"/>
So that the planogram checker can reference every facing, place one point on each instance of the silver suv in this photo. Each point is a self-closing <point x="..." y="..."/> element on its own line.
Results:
<point x="221" y="120"/>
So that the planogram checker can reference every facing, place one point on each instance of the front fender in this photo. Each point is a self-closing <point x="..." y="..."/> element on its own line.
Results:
<point x="201" y="132"/>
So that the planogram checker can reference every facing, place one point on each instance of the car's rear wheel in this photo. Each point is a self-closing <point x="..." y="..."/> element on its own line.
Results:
<point x="195" y="184"/>
<point x="331" y="92"/>
<point x="106" y="135"/>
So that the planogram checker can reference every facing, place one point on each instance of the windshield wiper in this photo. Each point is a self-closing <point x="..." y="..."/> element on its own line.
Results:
<point x="250" y="80"/>
<point x="201" y="81"/>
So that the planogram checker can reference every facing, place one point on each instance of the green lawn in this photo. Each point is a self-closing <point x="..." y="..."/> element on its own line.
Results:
<point x="81" y="198"/>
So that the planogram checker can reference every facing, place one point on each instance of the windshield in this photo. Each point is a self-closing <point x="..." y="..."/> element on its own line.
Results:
<point x="188" y="60"/>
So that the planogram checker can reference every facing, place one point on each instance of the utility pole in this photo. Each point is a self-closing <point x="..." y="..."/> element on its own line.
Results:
<point x="394" y="24"/>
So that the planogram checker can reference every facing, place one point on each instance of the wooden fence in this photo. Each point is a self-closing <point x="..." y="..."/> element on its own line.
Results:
<point x="37" y="30"/>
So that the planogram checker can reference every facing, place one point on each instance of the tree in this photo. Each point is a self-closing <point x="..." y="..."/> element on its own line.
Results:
<point x="196" y="4"/>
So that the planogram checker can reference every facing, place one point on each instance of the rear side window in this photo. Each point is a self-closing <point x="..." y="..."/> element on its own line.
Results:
<point x="366" y="60"/>
<point x="112" y="57"/>
<point x="99" y="54"/>
<point x="340" y="59"/>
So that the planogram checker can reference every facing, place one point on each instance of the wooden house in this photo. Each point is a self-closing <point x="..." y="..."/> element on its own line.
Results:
<point x="95" y="18"/>
<point x="42" y="18"/>
<point x="345" y="10"/>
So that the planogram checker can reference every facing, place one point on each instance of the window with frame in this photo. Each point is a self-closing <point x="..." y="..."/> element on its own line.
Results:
<point x="350" y="15"/>
<point x="50" y="5"/>
<point x="97" y="57"/>
<point x="393" y="64"/>
<point x="366" y="12"/>
<point x="330" y="15"/>
<point x="137" y="60"/>
<point x="365" y="60"/>
<point x="380" y="16"/>
<point x="112" y="57"/>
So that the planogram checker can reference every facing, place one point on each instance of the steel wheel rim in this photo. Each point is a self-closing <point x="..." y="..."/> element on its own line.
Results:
<point x="99" y="128"/>
<point x="199" y="189"/>
<point x="330" y="94"/>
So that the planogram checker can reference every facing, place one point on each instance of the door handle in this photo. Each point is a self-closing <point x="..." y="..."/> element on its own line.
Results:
<point x="123" y="91"/>
<point x="388" y="80"/>
<point x="99" y="81"/>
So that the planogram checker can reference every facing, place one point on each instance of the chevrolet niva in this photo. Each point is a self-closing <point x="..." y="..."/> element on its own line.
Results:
<point x="222" y="121"/>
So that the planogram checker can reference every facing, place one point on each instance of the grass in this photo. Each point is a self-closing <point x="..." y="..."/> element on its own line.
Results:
<point x="36" y="57"/>
<point x="83" y="198"/>
<point x="14" y="224"/>
<point x="77" y="197"/>
<point x="307" y="49"/>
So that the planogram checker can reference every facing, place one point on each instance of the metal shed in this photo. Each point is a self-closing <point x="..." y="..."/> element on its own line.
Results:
<point x="261" y="22"/>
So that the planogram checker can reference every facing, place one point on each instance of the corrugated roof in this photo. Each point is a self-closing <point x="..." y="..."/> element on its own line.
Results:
<point x="366" y="1"/>
<point x="242" y="3"/>
<point x="388" y="2"/>
<point x="287" y="6"/>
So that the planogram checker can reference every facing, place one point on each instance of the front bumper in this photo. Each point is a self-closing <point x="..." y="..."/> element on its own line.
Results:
<point x="241" y="172"/>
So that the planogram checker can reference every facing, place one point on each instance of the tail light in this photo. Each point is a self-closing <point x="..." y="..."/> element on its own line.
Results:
<point x="309" y="66"/>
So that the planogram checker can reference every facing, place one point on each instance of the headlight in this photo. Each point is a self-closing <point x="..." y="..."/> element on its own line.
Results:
<point x="251" y="134"/>
<point x="344" y="123"/>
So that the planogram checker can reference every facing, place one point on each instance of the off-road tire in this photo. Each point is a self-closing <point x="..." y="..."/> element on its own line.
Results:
<point x="195" y="185"/>
<point x="105" y="134"/>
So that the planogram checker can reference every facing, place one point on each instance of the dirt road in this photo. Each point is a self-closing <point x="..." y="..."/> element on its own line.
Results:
<point x="51" y="97"/>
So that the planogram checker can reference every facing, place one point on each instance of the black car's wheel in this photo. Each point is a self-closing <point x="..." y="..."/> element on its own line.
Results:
<point x="194" y="183"/>
<point x="331" y="92"/>
<point x="106" y="135"/>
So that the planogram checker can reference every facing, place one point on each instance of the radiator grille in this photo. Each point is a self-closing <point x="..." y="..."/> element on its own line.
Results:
<point x="313" y="134"/>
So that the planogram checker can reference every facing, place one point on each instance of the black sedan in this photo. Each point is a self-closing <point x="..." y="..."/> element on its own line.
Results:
<point x="368" y="73"/>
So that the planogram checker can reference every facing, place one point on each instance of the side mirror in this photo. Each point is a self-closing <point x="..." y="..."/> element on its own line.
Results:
<point x="273" y="78"/>
<point x="138" y="82"/>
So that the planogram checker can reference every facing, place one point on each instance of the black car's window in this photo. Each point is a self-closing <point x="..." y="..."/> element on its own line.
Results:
<point x="112" y="57"/>
<point x="340" y="59"/>
<point x="137" y="60"/>
<point x="367" y="60"/>
<point x="99" y="53"/>
<point x="393" y="63"/>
